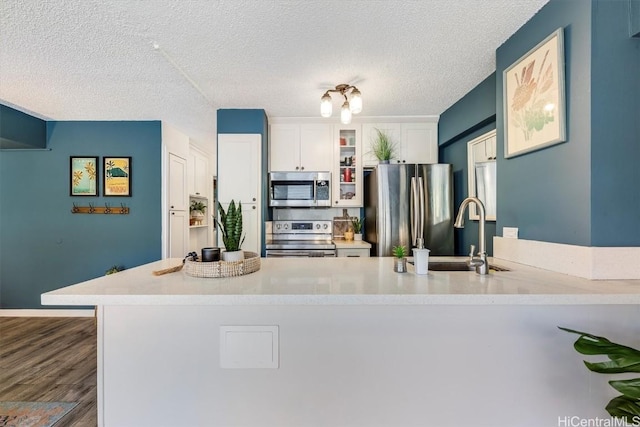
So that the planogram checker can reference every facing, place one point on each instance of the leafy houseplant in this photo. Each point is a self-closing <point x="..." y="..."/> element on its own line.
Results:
<point x="197" y="209"/>
<point x="400" y="262"/>
<point x="230" y="224"/>
<point x="382" y="147"/>
<point x="621" y="359"/>
<point x="357" y="224"/>
<point x="197" y="205"/>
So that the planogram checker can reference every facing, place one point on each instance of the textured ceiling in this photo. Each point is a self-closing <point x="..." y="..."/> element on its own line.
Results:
<point x="95" y="59"/>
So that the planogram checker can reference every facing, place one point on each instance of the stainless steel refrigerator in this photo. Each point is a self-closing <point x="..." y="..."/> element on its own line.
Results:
<point x="403" y="202"/>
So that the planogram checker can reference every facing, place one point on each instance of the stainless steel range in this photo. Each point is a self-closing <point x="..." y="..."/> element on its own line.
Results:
<point x="289" y="239"/>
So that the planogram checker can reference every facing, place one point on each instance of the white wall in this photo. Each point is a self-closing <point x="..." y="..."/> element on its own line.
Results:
<point x="360" y="366"/>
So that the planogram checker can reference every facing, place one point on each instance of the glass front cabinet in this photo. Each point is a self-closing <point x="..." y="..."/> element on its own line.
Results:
<point x="347" y="173"/>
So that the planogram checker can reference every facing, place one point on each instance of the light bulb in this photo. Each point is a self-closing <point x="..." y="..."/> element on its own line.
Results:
<point x="345" y="113"/>
<point x="356" y="101"/>
<point x="326" y="109"/>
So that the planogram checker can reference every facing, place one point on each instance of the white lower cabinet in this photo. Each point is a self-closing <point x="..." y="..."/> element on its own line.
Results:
<point x="353" y="252"/>
<point x="178" y="234"/>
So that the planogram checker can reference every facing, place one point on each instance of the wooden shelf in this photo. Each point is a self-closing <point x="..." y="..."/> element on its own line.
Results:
<point x="108" y="210"/>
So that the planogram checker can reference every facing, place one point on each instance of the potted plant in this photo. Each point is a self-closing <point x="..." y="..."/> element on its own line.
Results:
<point x="357" y="227"/>
<point x="400" y="261"/>
<point x="382" y="147"/>
<point x="197" y="209"/>
<point x="230" y="224"/>
<point x="619" y="359"/>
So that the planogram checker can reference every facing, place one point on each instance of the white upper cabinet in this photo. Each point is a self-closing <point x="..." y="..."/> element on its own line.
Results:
<point x="347" y="170"/>
<point x="284" y="149"/>
<point x="298" y="147"/>
<point x="239" y="168"/>
<point x="419" y="143"/>
<point x="198" y="173"/>
<point x="414" y="142"/>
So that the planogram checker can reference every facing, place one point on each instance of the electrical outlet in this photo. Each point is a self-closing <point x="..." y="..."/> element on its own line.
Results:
<point x="510" y="232"/>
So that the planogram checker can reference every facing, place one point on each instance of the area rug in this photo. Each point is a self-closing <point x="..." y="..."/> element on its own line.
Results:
<point x="33" y="414"/>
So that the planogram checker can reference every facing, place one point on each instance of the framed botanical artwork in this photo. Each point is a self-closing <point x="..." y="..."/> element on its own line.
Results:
<point x="83" y="180"/>
<point x="117" y="176"/>
<point x="534" y="99"/>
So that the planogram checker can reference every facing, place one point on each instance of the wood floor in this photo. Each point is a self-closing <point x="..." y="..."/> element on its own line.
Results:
<point x="50" y="360"/>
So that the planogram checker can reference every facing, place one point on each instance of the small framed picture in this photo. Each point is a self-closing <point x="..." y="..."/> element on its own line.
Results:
<point x="83" y="180"/>
<point x="117" y="176"/>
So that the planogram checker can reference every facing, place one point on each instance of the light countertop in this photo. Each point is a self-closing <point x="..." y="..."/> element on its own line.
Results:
<point x="343" y="281"/>
<point x="351" y="244"/>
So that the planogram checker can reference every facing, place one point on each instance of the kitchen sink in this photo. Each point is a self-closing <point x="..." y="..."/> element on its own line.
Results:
<point x="449" y="266"/>
<point x="458" y="266"/>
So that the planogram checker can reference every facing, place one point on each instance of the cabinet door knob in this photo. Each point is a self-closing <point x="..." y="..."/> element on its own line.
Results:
<point x="254" y="207"/>
<point x="173" y="213"/>
<point x="254" y="199"/>
<point x="171" y="206"/>
<point x="302" y="168"/>
<point x="297" y="168"/>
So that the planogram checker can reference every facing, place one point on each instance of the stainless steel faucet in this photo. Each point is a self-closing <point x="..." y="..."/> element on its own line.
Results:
<point x="479" y="261"/>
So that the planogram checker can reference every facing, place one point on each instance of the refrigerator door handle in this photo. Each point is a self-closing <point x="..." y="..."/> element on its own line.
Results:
<point x="420" y="233"/>
<point x="413" y="208"/>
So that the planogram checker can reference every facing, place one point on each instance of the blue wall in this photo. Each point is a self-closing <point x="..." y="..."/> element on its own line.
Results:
<point x="577" y="192"/>
<point x="251" y="121"/>
<point x="21" y="130"/>
<point x="615" y="128"/>
<point x="43" y="246"/>
<point x="467" y="119"/>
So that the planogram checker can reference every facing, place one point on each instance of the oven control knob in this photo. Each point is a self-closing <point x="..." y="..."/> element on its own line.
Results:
<point x="317" y="226"/>
<point x="278" y="226"/>
<point x="325" y="226"/>
<point x="286" y="226"/>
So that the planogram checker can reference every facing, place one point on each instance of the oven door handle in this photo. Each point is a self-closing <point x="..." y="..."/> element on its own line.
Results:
<point x="315" y="192"/>
<point x="298" y="254"/>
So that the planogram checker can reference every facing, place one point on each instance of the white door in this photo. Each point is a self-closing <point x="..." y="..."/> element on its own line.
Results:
<point x="177" y="182"/>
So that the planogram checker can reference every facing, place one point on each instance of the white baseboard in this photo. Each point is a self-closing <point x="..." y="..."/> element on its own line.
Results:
<point x="10" y="312"/>
<point x="595" y="263"/>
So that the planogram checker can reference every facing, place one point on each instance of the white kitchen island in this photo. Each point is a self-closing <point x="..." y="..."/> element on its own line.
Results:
<point x="348" y="342"/>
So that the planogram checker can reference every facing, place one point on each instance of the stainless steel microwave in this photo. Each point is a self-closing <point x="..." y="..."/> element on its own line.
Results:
<point x="300" y="189"/>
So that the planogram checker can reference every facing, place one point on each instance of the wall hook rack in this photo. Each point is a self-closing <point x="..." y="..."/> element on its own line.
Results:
<point x="107" y="209"/>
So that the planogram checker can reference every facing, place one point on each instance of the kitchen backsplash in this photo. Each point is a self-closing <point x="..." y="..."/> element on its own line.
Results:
<point x="317" y="214"/>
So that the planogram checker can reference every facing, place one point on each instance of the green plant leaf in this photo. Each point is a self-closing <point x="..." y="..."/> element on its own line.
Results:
<point x="629" y="388"/>
<point x="231" y="226"/>
<point x="622" y="407"/>
<point x="622" y="358"/>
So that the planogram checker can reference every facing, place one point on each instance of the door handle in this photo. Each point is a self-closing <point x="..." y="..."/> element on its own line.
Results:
<point x="412" y="209"/>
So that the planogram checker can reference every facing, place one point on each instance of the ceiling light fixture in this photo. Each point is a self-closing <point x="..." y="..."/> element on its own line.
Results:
<point x="348" y="108"/>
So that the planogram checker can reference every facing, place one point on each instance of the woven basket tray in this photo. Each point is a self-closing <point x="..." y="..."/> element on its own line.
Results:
<point x="249" y="264"/>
